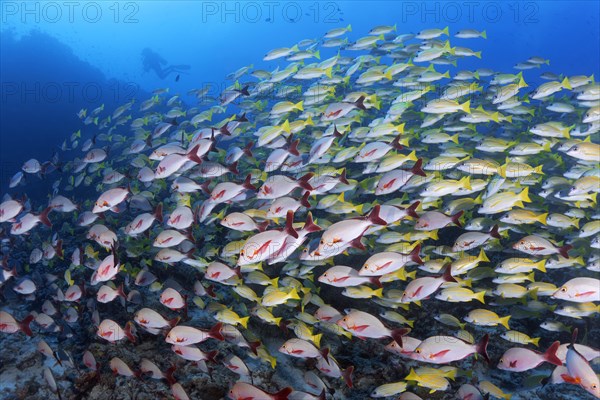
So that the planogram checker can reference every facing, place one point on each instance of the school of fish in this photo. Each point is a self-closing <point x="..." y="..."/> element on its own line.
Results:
<point x="369" y="201"/>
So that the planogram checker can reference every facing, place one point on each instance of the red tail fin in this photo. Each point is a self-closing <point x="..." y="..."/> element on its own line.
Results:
<point x="416" y="169"/>
<point x="44" y="217"/>
<point x="396" y="143"/>
<point x="168" y="374"/>
<point x="173" y="322"/>
<point x="414" y="255"/>
<point x="309" y="225"/>
<point x="293" y="149"/>
<point x="215" y="331"/>
<point x="24" y="325"/>
<point x="398" y="333"/>
<point x="360" y="103"/>
<point x="158" y="213"/>
<point x="121" y="292"/>
<point x="263" y="226"/>
<point x="254" y="346"/>
<point x="411" y="210"/>
<point x="248" y="149"/>
<point x="193" y="155"/>
<point x="289" y="224"/>
<point x="357" y="244"/>
<point x="447" y="275"/>
<point x="455" y="218"/>
<point x="59" y="249"/>
<point x="337" y="133"/>
<point x="210" y="290"/>
<point x="347" y="375"/>
<point x="343" y="178"/>
<point x="564" y="251"/>
<point x="550" y="354"/>
<point x="481" y="347"/>
<point x="247" y="184"/>
<point x="129" y="331"/>
<point x="211" y="356"/>
<point x="375" y="281"/>
<point x="204" y="187"/>
<point x="374" y="218"/>
<point x="282" y="394"/>
<point x="304" y="201"/>
<point x="494" y="232"/>
<point x="233" y="168"/>
<point x="303" y="181"/>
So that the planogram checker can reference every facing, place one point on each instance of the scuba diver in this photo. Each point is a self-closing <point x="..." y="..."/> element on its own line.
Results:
<point x="153" y="61"/>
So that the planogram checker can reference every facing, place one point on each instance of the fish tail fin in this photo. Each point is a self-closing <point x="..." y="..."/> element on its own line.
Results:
<point x="294" y="294"/>
<point x="247" y="184"/>
<point x="275" y="282"/>
<point x="480" y="296"/>
<point x="482" y="256"/>
<point x="494" y="232"/>
<point x="378" y="292"/>
<point x="541" y="265"/>
<point x="550" y="354"/>
<point x="566" y="84"/>
<point x="347" y="375"/>
<point x="417" y="168"/>
<point x="456" y="218"/>
<point x="542" y="218"/>
<point x="484" y="34"/>
<point x="44" y="217"/>
<point x="374" y="217"/>
<point x="454" y="138"/>
<point x="504" y="321"/>
<point x="244" y="322"/>
<point x="173" y="322"/>
<point x="524" y="195"/>
<point x="465" y="182"/>
<point x="24" y="325"/>
<point x="575" y="222"/>
<point x="397" y="334"/>
<point x="535" y="341"/>
<point x="481" y="347"/>
<point x="121" y="292"/>
<point x="412" y="209"/>
<point x="215" y="331"/>
<point x="293" y="148"/>
<point x="299" y="106"/>
<point x="309" y="225"/>
<point x="414" y="254"/>
<point x="304" y="201"/>
<point x="360" y="103"/>
<point x="316" y="339"/>
<point x="412" y="156"/>
<point x="445" y="31"/>
<point x="375" y="280"/>
<point x="282" y="394"/>
<point x="289" y="224"/>
<point x="564" y="250"/>
<point x="466" y="106"/>
<point x="447" y="275"/>
<point x="158" y="212"/>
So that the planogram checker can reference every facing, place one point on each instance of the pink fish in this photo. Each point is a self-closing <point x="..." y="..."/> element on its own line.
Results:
<point x="445" y="349"/>
<point x="518" y="359"/>
<point x="246" y="391"/>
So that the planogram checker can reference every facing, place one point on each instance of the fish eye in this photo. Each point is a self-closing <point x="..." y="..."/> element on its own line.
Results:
<point x="242" y="252"/>
<point x="418" y="351"/>
<point x="325" y="274"/>
<point x="563" y="289"/>
<point x="501" y="361"/>
<point x="322" y="241"/>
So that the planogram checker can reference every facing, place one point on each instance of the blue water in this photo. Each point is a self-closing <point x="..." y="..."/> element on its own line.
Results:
<point x="57" y="58"/>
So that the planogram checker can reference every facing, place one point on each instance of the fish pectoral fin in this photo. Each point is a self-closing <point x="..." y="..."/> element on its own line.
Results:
<point x="360" y="328"/>
<point x="439" y="354"/>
